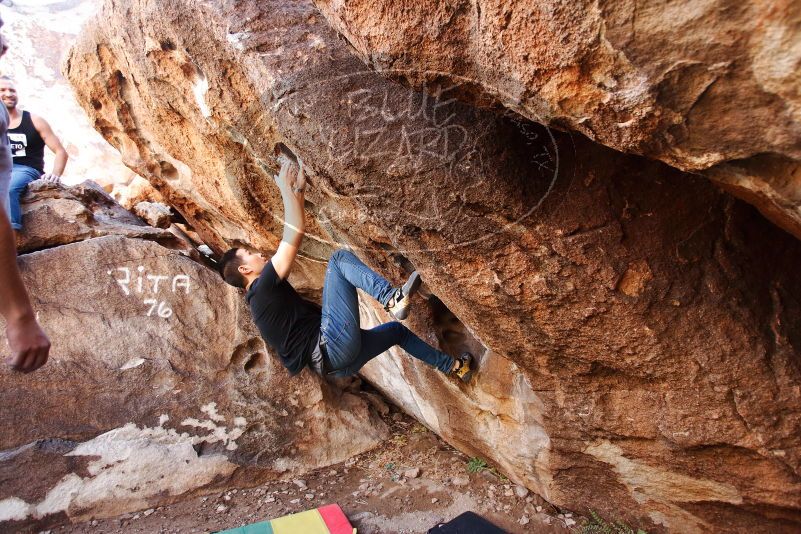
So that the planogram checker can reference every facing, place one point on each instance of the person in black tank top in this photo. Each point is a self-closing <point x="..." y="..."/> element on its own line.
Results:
<point x="28" y="134"/>
<point x="327" y="339"/>
<point x="27" y="146"/>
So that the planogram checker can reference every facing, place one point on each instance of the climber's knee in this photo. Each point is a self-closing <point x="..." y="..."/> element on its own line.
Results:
<point x="341" y="254"/>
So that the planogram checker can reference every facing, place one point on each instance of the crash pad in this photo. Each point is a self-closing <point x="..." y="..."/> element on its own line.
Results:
<point x="329" y="519"/>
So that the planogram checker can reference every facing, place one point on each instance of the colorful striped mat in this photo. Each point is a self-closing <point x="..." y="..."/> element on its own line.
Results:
<point x="327" y="519"/>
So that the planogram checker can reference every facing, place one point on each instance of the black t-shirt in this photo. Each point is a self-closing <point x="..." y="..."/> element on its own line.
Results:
<point x="287" y="322"/>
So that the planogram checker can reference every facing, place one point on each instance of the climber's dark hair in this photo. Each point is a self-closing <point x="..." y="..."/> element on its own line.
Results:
<point x="229" y="268"/>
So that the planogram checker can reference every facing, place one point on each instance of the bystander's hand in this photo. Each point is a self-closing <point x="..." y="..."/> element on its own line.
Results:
<point x="28" y="343"/>
<point x="51" y="178"/>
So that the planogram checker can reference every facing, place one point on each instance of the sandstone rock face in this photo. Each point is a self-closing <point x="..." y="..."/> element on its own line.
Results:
<point x="53" y="214"/>
<point x="636" y="329"/>
<point x="132" y="193"/>
<point x="158" y="386"/>
<point x="155" y="214"/>
<point x="694" y="84"/>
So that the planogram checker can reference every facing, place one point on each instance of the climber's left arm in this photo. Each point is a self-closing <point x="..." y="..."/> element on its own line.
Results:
<point x="53" y="143"/>
<point x="292" y="192"/>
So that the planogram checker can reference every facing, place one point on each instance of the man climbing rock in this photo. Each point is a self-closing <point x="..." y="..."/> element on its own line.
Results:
<point x="329" y="340"/>
<point x="28" y="134"/>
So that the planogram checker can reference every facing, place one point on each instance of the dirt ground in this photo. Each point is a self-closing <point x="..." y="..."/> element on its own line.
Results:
<point x="409" y="484"/>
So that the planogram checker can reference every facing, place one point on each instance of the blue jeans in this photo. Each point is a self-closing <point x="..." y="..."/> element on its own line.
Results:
<point x="350" y="347"/>
<point x="21" y="176"/>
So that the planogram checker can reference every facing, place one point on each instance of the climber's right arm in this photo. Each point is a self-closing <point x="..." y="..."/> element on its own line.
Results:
<point x="291" y="185"/>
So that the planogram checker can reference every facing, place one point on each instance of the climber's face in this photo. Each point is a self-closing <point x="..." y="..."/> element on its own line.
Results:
<point x="252" y="262"/>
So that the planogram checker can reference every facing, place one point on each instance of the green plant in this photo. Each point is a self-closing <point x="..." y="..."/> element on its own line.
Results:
<point x="476" y="465"/>
<point x="597" y="525"/>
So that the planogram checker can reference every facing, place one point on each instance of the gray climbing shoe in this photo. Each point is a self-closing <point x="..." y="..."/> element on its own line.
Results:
<point x="398" y="306"/>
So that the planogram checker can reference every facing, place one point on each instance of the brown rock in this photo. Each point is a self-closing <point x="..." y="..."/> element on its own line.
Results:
<point x="153" y="391"/>
<point x="460" y="481"/>
<point x="694" y="84"/>
<point x="54" y="214"/>
<point x="155" y="214"/>
<point x="668" y="396"/>
<point x="137" y="190"/>
<point x="412" y="472"/>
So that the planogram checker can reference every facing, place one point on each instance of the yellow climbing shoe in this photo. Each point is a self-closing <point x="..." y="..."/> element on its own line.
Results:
<point x="462" y="367"/>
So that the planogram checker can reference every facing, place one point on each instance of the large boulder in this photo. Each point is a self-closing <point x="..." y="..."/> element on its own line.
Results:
<point x="158" y="386"/>
<point x="54" y="214"/>
<point x="699" y="85"/>
<point x="636" y="329"/>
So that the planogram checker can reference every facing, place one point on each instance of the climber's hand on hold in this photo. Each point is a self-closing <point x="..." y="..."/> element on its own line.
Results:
<point x="300" y="179"/>
<point x="286" y="176"/>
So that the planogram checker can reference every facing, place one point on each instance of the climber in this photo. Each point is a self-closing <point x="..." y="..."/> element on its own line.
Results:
<point x="328" y="340"/>
<point x="26" y="339"/>
<point x="28" y="134"/>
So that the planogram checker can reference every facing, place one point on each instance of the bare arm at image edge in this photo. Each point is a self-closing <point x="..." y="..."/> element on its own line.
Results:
<point x="26" y="339"/>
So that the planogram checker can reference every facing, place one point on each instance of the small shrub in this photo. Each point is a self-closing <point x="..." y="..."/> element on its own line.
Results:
<point x="476" y="465"/>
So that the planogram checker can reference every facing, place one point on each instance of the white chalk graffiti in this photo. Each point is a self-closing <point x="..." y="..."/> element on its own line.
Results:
<point x="178" y="281"/>
<point x="163" y="310"/>
<point x="143" y="283"/>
